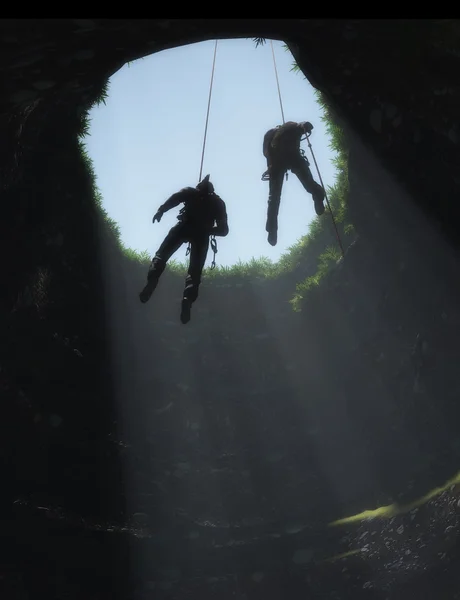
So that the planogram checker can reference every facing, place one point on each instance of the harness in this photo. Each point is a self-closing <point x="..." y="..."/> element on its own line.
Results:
<point x="183" y="212"/>
<point x="268" y="139"/>
<point x="213" y="248"/>
<point x="266" y="174"/>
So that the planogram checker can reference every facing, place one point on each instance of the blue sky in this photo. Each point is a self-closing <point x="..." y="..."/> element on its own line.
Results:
<point x="146" y="143"/>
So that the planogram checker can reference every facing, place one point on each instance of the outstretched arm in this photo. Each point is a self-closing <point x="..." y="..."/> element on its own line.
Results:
<point x="171" y="202"/>
<point x="221" y="227"/>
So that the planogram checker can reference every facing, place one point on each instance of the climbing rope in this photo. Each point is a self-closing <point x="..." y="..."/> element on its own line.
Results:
<point x="213" y="238"/>
<point x="207" y="113"/>
<point x="277" y="81"/>
<point x="307" y="137"/>
<point x="266" y="175"/>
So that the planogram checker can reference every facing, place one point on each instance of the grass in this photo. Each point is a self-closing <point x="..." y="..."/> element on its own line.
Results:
<point x="326" y="261"/>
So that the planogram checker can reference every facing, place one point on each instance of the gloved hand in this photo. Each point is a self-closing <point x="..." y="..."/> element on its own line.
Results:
<point x="157" y="216"/>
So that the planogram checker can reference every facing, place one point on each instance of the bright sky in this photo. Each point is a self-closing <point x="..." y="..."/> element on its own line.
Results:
<point x="146" y="143"/>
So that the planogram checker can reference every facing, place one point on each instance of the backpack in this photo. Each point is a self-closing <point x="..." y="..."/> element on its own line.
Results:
<point x="286" y="138"/>
<point x="268" y="138"/>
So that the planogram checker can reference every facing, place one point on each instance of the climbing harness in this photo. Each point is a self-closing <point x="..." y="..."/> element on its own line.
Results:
<point x="213" y="248"/>
<point x="213" y="237"/>
<point x="266" y="174"/>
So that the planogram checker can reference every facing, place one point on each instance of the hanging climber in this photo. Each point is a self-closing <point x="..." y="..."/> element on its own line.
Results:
<point x="281" y="148"/>
<point x="204" y="214"/>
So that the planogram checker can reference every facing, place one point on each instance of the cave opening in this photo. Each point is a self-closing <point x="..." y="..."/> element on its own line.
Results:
<point x="145" y="140"/>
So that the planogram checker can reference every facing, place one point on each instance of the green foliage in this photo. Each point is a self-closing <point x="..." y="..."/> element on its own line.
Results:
<point x="256" y="268"/>
<point x="98" y="97"/>
<point x="326" y="261"/>
<point x="259" y="41"/>
<point x="140" y="257"/>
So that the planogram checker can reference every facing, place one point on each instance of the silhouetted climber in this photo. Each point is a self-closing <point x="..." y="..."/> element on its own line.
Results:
<point x="282" y="150"/>
<point x="204" y="214"/>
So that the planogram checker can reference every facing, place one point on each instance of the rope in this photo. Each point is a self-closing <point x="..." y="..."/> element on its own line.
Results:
<point x="213" y="238"/>
<point x="326" y="198"/>
<point x="277" y="81"/>
<point x="207" y="114"/>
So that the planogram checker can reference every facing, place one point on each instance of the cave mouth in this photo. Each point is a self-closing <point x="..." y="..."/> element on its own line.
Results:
<point x="145" y="142"/>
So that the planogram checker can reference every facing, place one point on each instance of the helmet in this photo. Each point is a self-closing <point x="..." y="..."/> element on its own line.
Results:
<point x="205" y="186"/>
<point x="306" y="126"/>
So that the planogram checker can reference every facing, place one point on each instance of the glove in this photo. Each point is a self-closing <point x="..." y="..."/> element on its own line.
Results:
<point x="307" y="127"/>
<point x="157" y="216"/>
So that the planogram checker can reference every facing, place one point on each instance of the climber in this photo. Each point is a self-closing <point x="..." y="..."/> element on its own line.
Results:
<point x="204" y="214"/>
<point x="281" y="148"/>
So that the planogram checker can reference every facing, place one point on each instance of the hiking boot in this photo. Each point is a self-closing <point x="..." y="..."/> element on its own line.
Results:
<point x="318" y="199"/>
<point x="272" y="237"/>
<point x="144" y="296"/>
<point x="319" y="207"/>
<point x="185" y="310"/>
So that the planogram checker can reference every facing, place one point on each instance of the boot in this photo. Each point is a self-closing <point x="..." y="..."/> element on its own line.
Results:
<point x="272" y="237"/>
<point x="318" y="199"/>
<point x="186" y="307"/>
<point x="319" y="207"/>
<point x="148" y="290"/>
